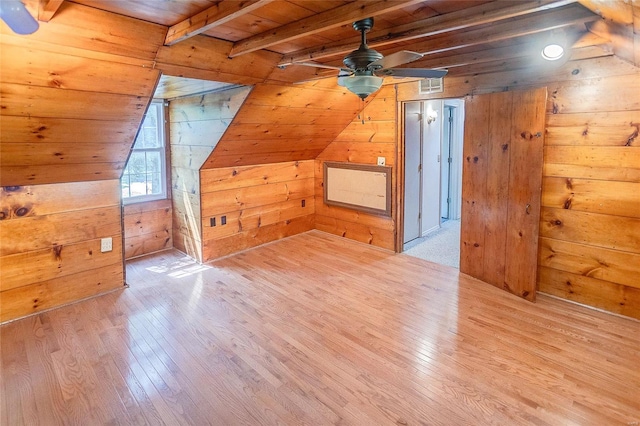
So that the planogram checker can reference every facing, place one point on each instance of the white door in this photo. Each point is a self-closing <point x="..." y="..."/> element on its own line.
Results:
<point x="432" y="137"/>
<point x="445" y="195"/>
<point x="412" y="147"/>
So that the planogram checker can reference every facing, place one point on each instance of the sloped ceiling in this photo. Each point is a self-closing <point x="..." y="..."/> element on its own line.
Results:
<point x="280" y="123"/>
<point x="73" y="93"/>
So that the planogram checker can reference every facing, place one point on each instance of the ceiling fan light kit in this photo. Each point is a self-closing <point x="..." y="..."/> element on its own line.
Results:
<point x="363" y="85"/>
<point x="366" y="67"/>
<point x="17" y="17"/>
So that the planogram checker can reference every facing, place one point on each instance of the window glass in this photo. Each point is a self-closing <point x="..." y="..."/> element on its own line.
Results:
<point x="144" y="176"/>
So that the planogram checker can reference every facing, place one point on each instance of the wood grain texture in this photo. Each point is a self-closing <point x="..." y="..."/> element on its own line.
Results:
<point x="605" y="264"/>
<point x="73" y="95"/>
<point x="147" y="227"/>
<point x="259" y="203"/>
<point x="306" y="331"/>
<point x="279" y="123"/>
<point x="362" y="143"/>
<point x="502" y="170"/>
<point x="207" y="58"/>
<point x="525" y="186"/>
<point x="196" y="124"/>
<point x="50" y="245"/>
<point x="590" y="172"/>
<point x="590" y="195"/>
<point x="591" y="203"/>
<point x="474" y="181"/>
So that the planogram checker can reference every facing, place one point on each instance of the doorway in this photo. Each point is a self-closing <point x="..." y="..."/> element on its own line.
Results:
<point x="433" y="134"/>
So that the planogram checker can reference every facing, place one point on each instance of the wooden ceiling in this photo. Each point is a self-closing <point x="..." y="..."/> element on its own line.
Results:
<point x="74" y="93"/>
<point x="456" y="35"/>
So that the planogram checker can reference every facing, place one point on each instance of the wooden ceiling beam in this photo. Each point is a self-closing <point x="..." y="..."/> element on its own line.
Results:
<point x="218" y="14"/>
<point x="474" y="56"/>
<point x="577" y="37"/>
<point x="473" y="60"/>
<point x="466" y="18"/>
<point x="541" y="22"/>
<point x="621" y="25"/>
<point x="317" y="23"/>
<point x="48" y="8"/>
<point x="620" y="12"/>
<point x="536" y="23"/>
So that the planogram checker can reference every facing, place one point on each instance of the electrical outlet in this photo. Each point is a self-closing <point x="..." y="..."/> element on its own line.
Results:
<point x="223" y="220"/>
<point x="106" y="244"/>
<point x="304" y="203"/>
<point x="212" y="221"/>
<point x="381" y="161"/>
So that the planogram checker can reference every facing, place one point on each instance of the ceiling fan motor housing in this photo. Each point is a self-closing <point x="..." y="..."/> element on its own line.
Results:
<point x="360" y="58"/>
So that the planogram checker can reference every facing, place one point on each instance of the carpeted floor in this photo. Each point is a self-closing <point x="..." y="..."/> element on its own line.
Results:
<point x="441" y="246"/>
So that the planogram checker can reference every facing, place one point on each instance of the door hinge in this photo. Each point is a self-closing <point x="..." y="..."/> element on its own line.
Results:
<point x="419" y="167"/>
<point x="448" y="200"/>
<point x="449" y="160"/>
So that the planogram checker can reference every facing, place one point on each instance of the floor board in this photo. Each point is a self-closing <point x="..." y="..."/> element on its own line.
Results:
<point x="316" y="329"/>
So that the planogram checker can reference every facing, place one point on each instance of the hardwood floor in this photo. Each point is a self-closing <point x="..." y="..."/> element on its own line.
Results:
<point x="317" y="330"/>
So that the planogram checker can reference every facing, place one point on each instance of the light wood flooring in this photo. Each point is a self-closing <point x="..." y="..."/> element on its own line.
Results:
<point x="317" y="330"/>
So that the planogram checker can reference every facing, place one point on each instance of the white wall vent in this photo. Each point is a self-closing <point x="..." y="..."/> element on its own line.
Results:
<point x="432" y="85"/>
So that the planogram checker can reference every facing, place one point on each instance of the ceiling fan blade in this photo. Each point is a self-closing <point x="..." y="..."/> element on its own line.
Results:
<point x="395" y="59"/>
<point x="316" y="65"/>
<point x="411" y="72"/>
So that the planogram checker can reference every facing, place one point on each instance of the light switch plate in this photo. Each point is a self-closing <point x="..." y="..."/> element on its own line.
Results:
<point x="381" y="161"/>
<point x="106" y="244"/>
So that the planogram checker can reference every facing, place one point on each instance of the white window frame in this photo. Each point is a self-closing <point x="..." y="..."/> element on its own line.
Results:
<point x="159" y="105"/>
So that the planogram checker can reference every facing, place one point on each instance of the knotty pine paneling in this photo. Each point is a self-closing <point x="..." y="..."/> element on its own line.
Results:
<point x="50" y="246"/>
<point x="362" y="143"/>
<point x="207" y="58"/>
<point x="280" y="123"/>
<point x="590" y="220"/>
<point x="260" y="203"/>
<point x="502" y="170"/>
<point x="196" y="124"/>
<point x="73" y="95"/>
<point x="589" y="225"/>
<point x="147" y="228"/>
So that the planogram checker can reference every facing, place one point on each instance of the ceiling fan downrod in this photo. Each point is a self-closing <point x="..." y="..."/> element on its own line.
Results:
<point x="360" y="58"/>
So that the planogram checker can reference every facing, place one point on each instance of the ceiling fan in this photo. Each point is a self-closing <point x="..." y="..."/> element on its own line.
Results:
<point x="365" y="67"/>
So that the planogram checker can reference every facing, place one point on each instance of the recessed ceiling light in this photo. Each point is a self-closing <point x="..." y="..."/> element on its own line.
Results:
<point x="552" y="52"/>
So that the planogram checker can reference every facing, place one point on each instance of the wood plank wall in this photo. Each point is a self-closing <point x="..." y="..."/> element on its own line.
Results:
<point x="590" y="219"/>
<point x="259" y="204"/>
<point x="362" y="143"/>
<point x="589" y="245"/>
<point x="262" y="169"/>
<point x="147" y="228"/>
<point x="196" y="124"/>
<point x="73" y="95"/>
<point x="50" y="245"/>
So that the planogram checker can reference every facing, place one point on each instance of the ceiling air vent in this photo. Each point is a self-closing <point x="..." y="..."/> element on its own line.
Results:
<point x="431" y="85"/>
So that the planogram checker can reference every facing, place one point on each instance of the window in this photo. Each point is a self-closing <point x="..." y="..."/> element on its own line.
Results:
<point x="144" y="177"/>
<point x="432" y="85"/>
